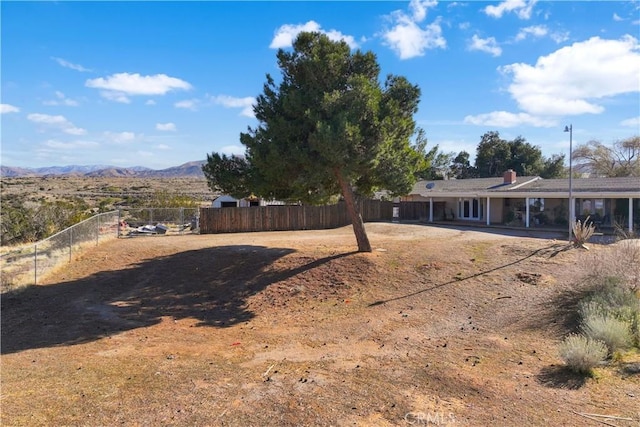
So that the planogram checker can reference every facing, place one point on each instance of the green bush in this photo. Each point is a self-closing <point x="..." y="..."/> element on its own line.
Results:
<point x="582" y="354"/>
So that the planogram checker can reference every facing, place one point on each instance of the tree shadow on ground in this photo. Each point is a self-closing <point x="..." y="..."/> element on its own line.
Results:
<point x="561" y="314"/>
<point x="558" y="376"/>
<point x="629" y="369"/>
<point x="546" y="251"/>
<point x="211" y="285"/>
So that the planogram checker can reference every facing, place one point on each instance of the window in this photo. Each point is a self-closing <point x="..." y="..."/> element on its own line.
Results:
<point x="536" y="204"/>
<point x="599" y="206"/>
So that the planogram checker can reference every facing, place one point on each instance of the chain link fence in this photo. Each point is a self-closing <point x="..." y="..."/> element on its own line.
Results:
<point x="154" y="221"/>
<point x="29" y="263"/>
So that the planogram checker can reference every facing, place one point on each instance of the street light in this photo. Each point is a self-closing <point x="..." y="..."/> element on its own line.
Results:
<point x="571" y="204"/>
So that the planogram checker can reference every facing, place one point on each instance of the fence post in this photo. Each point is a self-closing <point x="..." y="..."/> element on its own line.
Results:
<point x="70" y="242"/>
<point x="119" y="222"/>
<point x="35" y="264"/>
<point x="150" y="216"/>
<point x="98" y="231"/>
<point x="181" y="220"/>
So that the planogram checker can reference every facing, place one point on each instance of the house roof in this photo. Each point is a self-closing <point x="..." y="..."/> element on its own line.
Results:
<point x="441" y="187"/>
<point x="533" y="185"/>
<point x="625" y="184"/>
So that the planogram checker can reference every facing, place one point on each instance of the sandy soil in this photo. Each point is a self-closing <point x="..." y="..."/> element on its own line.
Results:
<point x="436" y="326"/>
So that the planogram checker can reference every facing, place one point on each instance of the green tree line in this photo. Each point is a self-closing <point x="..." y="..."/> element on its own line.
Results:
<point x="494" y="155"/>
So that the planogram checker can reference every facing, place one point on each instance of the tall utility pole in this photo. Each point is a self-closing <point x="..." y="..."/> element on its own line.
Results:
<point x="571" y="204"/>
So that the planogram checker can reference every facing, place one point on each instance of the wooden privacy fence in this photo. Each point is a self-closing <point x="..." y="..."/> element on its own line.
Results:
<point x="414" y="210"/>
<point x="419" y="211"/>
<point x="288" y="218"/>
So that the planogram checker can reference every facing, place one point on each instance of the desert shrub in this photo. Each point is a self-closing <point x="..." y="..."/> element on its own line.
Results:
<point x="165" y="199"/>
<point x="16" y="225"/>
<point x="614" y="333"/>
<point x="23" y="223"/>
<point x="582" y="231"/>
<point x="582" y="354"/>
<point x="107" y="204"/>
<point x="613" y="298"/>
<point x="618" y="262"/>
<point x="622" y="232"/>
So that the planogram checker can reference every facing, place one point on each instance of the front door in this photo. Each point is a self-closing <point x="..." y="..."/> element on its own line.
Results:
<point x="469" y="209"/>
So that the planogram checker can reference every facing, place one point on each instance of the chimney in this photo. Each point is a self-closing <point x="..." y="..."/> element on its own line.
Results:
<point x="510" y="176"/>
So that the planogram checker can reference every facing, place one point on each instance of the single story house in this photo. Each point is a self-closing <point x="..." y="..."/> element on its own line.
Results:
<point x="531" y="201"/>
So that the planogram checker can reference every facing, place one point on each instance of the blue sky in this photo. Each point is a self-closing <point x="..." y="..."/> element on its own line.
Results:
<point x="158" y="84"/>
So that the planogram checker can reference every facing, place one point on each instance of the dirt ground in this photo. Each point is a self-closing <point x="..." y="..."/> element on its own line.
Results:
<point x="436" y="326"/>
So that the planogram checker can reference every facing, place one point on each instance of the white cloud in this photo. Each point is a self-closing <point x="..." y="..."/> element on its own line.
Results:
<point x="118" y="87"/>
<point x="163" y="147"/>
<point x="488" y="45"/>
<point x="167" y="127"/>
<point x="522" y="8"/>
<point x="150" y="102"/>
<point x="46" y="118"/>
<point x="61" y="100"/>
<point x="419" y="8"/>
<point x="559" y="37"/>
<point x="286" y="34"/>
<point x="120" y="137"/>
<point x="74" y="131"/>
<point x="632" y="122"/>
<point x="115" y="96"/>
<point x="506" y="119"/>
<point x="67" y="64"/>
<point x="230" y="150"/>
<point x="52" y="143"/>
<point x="570" y="80"/>
<point x="8" y="108"/>
<point x="407" y="38"/>
<point x="455" y="146"/>
<point x="59" y="122"/>
<point x="231" y="102"/>
<point x="187" y="104"/>
<point x="534" y="31"/>
<point x="538" y="31"/>
<point x="464" y="25"/>
<point x="617" y="17"/>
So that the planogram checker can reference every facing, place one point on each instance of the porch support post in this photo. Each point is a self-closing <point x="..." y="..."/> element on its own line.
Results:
<point x="488" y="210"/>
<point x="430" y="209"/>
<point x="526" y="215"/>
<point x="630" y="213"/>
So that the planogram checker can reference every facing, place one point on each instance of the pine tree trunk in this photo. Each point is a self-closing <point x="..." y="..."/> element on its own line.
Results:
<point x="354" y="213"/>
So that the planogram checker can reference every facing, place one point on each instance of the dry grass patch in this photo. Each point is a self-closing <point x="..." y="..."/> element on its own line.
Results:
<point x="296" y="329"/>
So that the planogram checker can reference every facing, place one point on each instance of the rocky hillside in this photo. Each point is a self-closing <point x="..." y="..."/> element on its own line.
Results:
<point x="189" y="169"/>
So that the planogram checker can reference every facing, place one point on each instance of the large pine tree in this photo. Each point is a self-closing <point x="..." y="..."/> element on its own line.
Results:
<point x="329" y="128"/>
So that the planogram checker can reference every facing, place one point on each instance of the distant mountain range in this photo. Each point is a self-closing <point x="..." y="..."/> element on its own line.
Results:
<point x="189" y="169"/>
